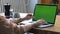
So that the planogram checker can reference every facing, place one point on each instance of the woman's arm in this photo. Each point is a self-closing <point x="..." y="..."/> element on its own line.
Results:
<point x="18" y="20"/>
<point x="10" y="25"/>
<point x="29" y="16"/>
<point x="16" y="27"/>
<point x="35" y="24"/>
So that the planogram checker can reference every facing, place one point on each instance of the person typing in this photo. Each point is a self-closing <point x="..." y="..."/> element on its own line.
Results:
<point x="12" y="27"/>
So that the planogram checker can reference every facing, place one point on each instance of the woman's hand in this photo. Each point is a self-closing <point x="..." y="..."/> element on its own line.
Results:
<point x="41" y="21"/>
<point x="29" y="16"/>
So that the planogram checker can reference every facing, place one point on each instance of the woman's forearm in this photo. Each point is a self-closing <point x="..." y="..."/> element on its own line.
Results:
<point x="29" y="16"/>
<point x="19" y="20"/>
<point x="31" y="25"/>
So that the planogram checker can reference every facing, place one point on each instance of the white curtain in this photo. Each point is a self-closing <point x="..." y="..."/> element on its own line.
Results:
<point x="16" y="5"/>
<point x="20" y="5"/>
<point x="31" y="5"/>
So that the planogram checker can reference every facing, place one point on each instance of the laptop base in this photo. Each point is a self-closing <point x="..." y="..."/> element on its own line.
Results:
<point x="45" y="25"/>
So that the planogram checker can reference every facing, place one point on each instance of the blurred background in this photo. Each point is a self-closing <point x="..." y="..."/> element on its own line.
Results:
<point x="26" y="6"/>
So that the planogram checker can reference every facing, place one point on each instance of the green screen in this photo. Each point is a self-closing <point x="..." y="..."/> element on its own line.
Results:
<point x="46" y="12"/>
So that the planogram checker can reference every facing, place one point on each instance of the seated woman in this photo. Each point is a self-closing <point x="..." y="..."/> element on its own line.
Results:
<point x="11" y="27"/>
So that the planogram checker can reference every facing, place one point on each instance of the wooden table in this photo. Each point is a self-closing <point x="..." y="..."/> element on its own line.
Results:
<point x="49" y="30"/>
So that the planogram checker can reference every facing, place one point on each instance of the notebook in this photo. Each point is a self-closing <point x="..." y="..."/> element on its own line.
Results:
<point x="46" y="12"/>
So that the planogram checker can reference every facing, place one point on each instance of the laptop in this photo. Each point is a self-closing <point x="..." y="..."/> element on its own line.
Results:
<point x="46" y="12"/>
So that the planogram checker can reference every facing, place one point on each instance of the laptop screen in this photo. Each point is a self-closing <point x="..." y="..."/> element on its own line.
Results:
<point x="46" y="12"/>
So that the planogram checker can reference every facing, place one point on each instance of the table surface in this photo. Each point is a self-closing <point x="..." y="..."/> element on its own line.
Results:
<point x="55" y="28"/>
